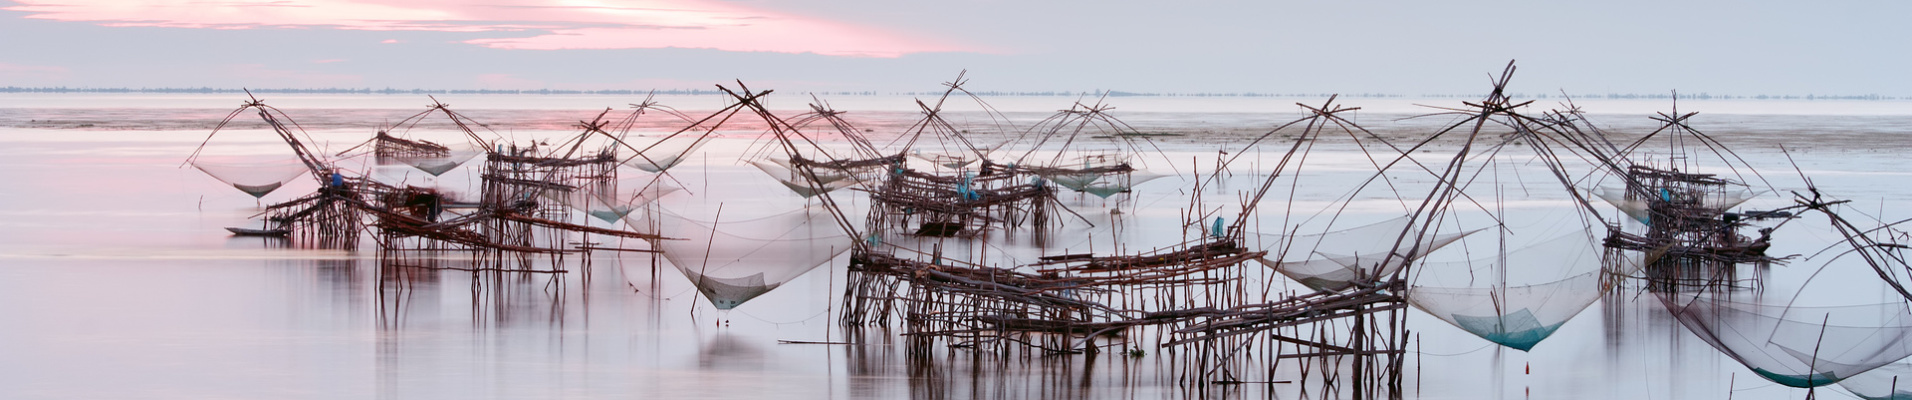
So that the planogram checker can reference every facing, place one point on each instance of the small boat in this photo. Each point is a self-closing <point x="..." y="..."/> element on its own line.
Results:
<point x="259" y="232"/>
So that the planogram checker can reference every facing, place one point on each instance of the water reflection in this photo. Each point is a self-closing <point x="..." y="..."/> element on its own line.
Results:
<point x="252" y="317"/>
<point x="399" y="332"/>
<point x="727" y="351"/>
<point x="442" y="328"/>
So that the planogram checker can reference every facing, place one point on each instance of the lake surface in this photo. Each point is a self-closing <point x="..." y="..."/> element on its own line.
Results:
<point x="118" y="281"/>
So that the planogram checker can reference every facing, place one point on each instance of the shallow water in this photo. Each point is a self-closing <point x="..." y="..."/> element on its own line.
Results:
<point x="118" y="282"/>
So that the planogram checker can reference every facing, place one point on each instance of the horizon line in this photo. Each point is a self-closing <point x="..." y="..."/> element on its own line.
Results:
<point x="1053" y="93"/>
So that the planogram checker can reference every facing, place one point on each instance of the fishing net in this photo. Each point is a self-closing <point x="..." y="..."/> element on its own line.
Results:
<point x="1890" y="382"/>
<point x="1515" y="316"/>
<point x="945" y="160"/>
<point x="1638" y="209"/>
<point x="1102" y="185"/>
<point x="1728" y="198"/>
<point x="615" y="206"/>
<point x="256" y="178"/>
<point x="1106" y="189"/>
<point x="666" y="153"/>
<point x="1074" y="182"/>
<point x="1798" y="346"/>
<point x="1518" y="317"/>
<point x="439" y="165"/>
<point x="827" y="179"/>
<point x="732" y="262"/>
<point x="1319" y="274"/>
<point x="614" y="201"/>
<point x="1332" y="261"/>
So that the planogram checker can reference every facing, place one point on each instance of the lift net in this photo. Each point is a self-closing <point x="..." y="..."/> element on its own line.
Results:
<point x="256" y="178"/>
<point x="1890" y="382"/>
<point x="1637" y="208"/>
<point x="1332" y="261"/>
<point x="666" y="153"/>
<point x="732" y="262"/>
<point x="951" y="161"/>
<point x="612" y="202"/>
<point x="1518" y="317"/>
<point x="1102" y="185"/>
<point x="1797" y="346"/>
<point x="439" y="165"/>
<point x="827" y="180"/>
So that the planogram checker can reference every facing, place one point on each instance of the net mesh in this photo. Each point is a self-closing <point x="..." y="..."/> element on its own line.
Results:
<point x="439" y="165"/>
<point x="1889" y="382"/>
<point x="1110" y="185"/>
<point x="944" y="160"/>
<point x="827" y="179"/>
<point x="1635" y="209"/>
<point x="1638" y="209"/>
<point x="255" y="177"/>
<point x="1332" y="261"/>
<point x="1518" y="317"/>
<point x="732" y="262"/>
<point x="1075" y="182"/>
<point x="614" y="202"/>
<point x="666" y="153"/>
<point x="1797" y="346"/>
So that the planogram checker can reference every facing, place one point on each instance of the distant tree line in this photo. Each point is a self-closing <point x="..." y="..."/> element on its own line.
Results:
<point x="1097" y="93"/>
<point x="1700" y="96"/>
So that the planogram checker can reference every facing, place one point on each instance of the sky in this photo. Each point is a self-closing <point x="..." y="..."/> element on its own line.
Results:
<point x="1265" y="46"/>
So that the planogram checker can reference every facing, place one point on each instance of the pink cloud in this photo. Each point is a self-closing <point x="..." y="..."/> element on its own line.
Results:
<point x="388" y="41"/>
<point x="553" y="24"/>
<point x="771" y="36"/>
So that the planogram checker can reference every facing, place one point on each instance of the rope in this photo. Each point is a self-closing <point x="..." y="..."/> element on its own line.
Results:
<point x="1484" y="347"/>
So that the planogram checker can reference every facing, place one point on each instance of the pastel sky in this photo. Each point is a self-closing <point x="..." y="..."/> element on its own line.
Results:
<point x="1399" y="47"/>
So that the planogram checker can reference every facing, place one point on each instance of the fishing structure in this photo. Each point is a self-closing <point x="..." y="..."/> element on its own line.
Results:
<point x="958" y="233"/>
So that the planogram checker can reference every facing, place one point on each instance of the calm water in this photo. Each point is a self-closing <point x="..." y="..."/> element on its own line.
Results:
<point x="118" y="281"/>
